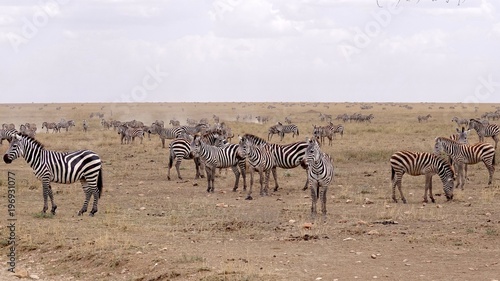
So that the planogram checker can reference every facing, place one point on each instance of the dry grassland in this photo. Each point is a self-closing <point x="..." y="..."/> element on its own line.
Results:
<point x="148" y="228"/>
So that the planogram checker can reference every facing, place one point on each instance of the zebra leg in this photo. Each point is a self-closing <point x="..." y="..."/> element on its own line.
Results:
<point x="261" y="181"/>
<point x="95" y="193"/>
<point x="249" y="195"/>
<point x="461" y="176"/>
<point x="237" y="176"/>
<point x="197" y="167"/>
<point x="323" y="191"/>
<point x="275" y="176"/>
<point x="314" y="198"/>
<point x="306" y="185"/>
<point x="491" y="170"/>
<point x="177" y="168"/>
<point x="210" y="177"/>
<point x="51" y="197"/>
<point x="266" y="182"/>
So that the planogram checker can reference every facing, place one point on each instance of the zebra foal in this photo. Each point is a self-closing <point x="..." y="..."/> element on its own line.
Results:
<point x="417" y="164"/>
<point x="462" y="154"/>
<point x="59" y="167"/>
<point x="320" y="173"/>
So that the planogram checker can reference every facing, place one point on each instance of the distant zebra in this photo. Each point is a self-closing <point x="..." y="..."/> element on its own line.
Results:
<point x="467" y="154"/>
<point x="422" y="118"/>
<point x="219" y="157"/>
<point x="287" y="156"/>
<point x="287" y="129"/>
<point x="175" y="123"/>
<point x="166" y="133"/>
<point x="275" y="129"/>
<point x="10" y="126"/>
<point x="417" y="164"/>
<point x="59" y="167"/>
<point x="27" y="131"/>
<point x="490" y="130"/>
<point x="460" y="121"/>
<point x="85" y="125"/>
<point x="52" y="126"/>
<point x="461" y="137"/>
<point x="180" y="148"/>
<point x="328" y="131"/>
<point x="129" y="134"/>
<point x="320" y="173"/>
<point x="65" y="125"/>
<point x="261" y="160"/>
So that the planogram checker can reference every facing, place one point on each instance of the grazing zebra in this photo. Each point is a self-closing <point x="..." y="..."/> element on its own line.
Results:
<point x="6" y="134"/>
<point x="214" y="157"/>
<point x="417" y="164"/>
<point x="490" y="130"/>
<point x="422" y="118"/>
<point x="180" y="148"/>
<point x="261" y="160"/>
<point x="460" y="121"/>
<point x="53" y="126"/>
<point x="467" y="154"/>
<point x="286" y="156"/>
<point x="59" y="167"/>
<point x="85" y="125"/>
<point x="320" y="173"/>
<point x="129" y="134"/>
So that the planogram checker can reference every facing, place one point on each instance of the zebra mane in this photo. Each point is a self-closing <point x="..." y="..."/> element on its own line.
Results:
<point x="31" y="139"/>
<point x="254" y="139"/>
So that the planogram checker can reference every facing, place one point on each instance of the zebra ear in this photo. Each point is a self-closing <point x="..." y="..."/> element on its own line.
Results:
<point x="18" y="137"/>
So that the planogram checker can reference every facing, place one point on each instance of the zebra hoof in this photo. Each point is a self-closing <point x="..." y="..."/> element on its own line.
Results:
<point x="249" y="198"/>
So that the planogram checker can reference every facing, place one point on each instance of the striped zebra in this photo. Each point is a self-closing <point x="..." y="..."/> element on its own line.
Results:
<point x="422" y="118"/>
<point x="490" y="130"/>
<point x="65" y="124"/>
<point x="460" y="121"/>
<point x="27" y="131"/>
<point x="261" y="160"/>
<point x="6" y="134"/>
<point x="180" y="148"/>
<point x="328" y="131"/>
<point x="320" y="173"/>
<point x="59" y="167"/>
<point x="219" y="157"/>
<point x="166" y="133"/>
<point x="286" y="156"/>
<point x="275" y="129"/>
<point x="417" y="164"/>
<point x="175" y="123"/>
<point x="467" y="154"/>
<point x="10" y="126"/>
<point x="129" y="134"/>
<point x="50" y="126"/>
<point x="288" y="129"/>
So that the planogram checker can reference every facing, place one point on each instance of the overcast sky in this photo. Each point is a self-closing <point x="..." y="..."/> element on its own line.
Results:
<point x="250" y="50"/>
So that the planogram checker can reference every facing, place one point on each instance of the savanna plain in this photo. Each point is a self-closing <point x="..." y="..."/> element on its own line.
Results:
<point x="149" y="228"/>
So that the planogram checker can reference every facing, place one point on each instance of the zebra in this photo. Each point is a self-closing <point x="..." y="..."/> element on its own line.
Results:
<point x="329" y="131"/>
<point x="6" y="134"/>
<point x="417" y="164"/>
<point x="85" y="125"/>
<point x="261" y="160"/>
<point x="219" y="157"/>
<point x="287" y="129"/>
<point x="490" y="130"/>
<point x="166" y="133"/>
<point x="275" y="129"/>
<point x="175" y="123"/>
<point x="10" y="126"/>
<point x="59" y="167"/>
<point x="320" y="173"/>
<point x="467" y="154"/>
<point x="53" y="126"/>
<point x="286" y="156"/>
<point x="23" y="129"/>
<point x="129" y="134"/>
<point x="460" y="121"/>
<point x="422" y="118"/>
<point x="180" y="148"/>
<point x="65" y="124"/>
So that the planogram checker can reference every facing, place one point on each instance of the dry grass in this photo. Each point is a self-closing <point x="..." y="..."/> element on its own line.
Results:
<point x="148" y="228"/>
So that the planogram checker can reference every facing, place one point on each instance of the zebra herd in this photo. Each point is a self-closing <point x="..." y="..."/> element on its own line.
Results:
<point x="56" y="127"/>
<point x="459" y="153"/>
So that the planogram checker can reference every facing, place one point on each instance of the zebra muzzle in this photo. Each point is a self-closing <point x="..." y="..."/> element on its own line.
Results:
<point x="6" y="159"/>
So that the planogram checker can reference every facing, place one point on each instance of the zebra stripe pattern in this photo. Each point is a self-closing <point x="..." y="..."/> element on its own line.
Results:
<point x="320" y="173"/>
<point x="287" y="129"/>
<point x="59" y="167"/>
<point x="286" y="156"/>
<point x="129" y="134"/>
<point x="219" y="157"/>
<point x="261" y="160"/>
<point x="166" y="133"/>
<point x="467" y="154"/>
<point x="490" y="130"/>
<point x="417" y="164"/>
<point x="50" y="126"/>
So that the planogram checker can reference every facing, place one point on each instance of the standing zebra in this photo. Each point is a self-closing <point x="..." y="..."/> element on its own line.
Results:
<point x="129" y="134"/>
<point x="53" y="126"/>
<point x="220" y="157"/>
<point x="166" y="133"/>
<point x="467" y="154"/>
<point x="490" y="130"/>
<point x="6" y="134"/>
<point x="261" y="160"/>
<point x="85" y="125"/>
<point x="460" y="121"/>
<point x="286" y="156"/>
<point x="59" y="167"/>
<point x="422" y="118"/>
<point x="287" y="129"/>
<point x="275" y="129"/>
<point x="180" y="148"/>
<point x="417" y="164"/>
<point x="320" y="173"/>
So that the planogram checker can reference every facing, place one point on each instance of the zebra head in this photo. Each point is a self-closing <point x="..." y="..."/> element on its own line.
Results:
<point x="313" y="151"/>
<point x="15" y="150"/>
<point x="438" y="146"/>
<point x="462" y="135"/>
<point x="195" y="145"/>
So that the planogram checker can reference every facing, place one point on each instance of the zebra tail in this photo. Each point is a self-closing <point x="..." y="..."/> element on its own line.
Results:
<point x="297" y="132"/>
<point x="494" y="154"/>
<point x="99" y="182"/>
